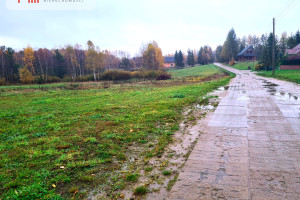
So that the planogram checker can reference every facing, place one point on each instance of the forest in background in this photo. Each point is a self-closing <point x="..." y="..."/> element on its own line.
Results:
<point x="74" y="63"/>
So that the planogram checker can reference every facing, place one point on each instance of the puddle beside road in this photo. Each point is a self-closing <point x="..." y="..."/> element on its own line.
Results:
<point x="285" y="96"/>
<point x="269" y="84"/>
<point x="280" y="95"/>
<point x="205" y="107"/>
<point x="223" y="88"/>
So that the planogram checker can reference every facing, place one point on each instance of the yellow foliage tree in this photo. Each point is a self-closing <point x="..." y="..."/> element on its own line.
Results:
<point x="29" y="59"/>
<point x="152" y="57"/>
<point x="25" y="75"/>
<point x="94" y="60"/>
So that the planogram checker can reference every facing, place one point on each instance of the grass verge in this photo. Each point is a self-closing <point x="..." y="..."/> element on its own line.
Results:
<point x="287" y="75"/>
<point x="244" y="65"/>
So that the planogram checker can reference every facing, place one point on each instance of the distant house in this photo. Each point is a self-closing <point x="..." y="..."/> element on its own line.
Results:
<point x="292" y="60"/>
<point x="248" y="54"/>
<point x="169" y="62"/>
<point x="293" y="52"/>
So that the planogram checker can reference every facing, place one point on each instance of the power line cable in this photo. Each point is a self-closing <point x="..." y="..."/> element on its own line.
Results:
<point x="289" y="8"/>
<point x="284" y="8"/>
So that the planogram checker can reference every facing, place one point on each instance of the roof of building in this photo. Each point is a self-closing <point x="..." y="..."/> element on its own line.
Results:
<point x="295" y="50"/>
<point x="297" y="47"/>
<point x="169" y="59"/>
<point x="244" y="50"/>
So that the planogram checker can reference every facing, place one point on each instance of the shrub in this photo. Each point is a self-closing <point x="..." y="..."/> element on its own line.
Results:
<point x="148" y="74"/>
<point x="164" y="76"/>
<point x="232" y="62"/>
<point x="116" y="75"/>
<point x="84" y="78"/>
<point x="259" y="67"/>
<point x="25" y="75"/>
<point x="2" y="81"/>
<point x="53" y="79"/>
<point x="67" y="79"/>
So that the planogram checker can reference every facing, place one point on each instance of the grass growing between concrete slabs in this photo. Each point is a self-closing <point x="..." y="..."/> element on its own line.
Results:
<point x="61" y="144"/>
<point x="287" y="75"/>
<point x="244" y="65"/>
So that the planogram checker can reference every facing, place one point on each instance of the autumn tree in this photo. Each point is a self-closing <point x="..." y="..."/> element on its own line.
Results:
<point x="27" y="71"/>
<point x="94" y="60"/>
<point x="29" y="59"/>
<point x="152" y="57"/>
<point x="25" y="75"/>
<point x="71" y="61"/>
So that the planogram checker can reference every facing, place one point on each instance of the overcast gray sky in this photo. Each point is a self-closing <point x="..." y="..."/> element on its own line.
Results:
<point x="126" y="24"/>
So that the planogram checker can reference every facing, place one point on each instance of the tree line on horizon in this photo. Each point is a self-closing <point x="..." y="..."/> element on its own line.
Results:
<point x="72" y="63"/>
<point x="262" y="46"/>
<point x="204" y="56"/>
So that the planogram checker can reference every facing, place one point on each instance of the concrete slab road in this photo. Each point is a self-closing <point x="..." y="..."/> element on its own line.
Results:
<point x="251" y="148"/>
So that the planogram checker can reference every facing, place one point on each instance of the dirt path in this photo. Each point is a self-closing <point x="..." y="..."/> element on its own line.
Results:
<point x="251" y="148"/>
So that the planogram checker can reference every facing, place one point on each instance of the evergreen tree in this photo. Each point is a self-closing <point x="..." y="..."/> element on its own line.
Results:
<point x="199" y="58"/>
<point x="180" y="59"/>
<point x="297" y="37"/>
<point x="230" y="47"/>
<point x="190" y="58"/>
<point x="241" y="44"/>
<point x="211" y="55"/>
<point x="60" y="69"/>
<point x="218" y="53"/>
<point x="125" y="64"/>
<point x="267" y="53"/>
<point x="176" y="59"/>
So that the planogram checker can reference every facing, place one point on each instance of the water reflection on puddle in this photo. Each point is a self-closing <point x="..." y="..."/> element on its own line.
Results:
<point x="285" y="96"/>
<point x="223" y="88"/>
<point x="205" y="107"/>
<point x="280" y="95"/>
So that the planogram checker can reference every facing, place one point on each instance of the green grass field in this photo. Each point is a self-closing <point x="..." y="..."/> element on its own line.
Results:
<point x="62" y="143"/>
<point x="287" y="75"/>
<point x="244" y="65"/>
<point x="204" y="70"/>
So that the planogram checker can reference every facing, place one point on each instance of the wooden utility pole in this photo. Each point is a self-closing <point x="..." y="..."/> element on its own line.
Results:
<point x="273" y="59"/>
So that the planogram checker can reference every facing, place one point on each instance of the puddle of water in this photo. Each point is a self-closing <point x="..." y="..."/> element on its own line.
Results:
<point x="220" y="175"/>
<point x="205" y="107"/>
<point x="269" y="84"/>
<point x="243" y="98"/>
<point x="203" y="175"/>
<point x="285" y="96"/>
<point x="223" y="88"/>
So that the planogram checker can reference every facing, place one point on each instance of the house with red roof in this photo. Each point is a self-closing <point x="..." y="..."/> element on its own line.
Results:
<point x="292" y="60"/>
<point x="293" y="52"/>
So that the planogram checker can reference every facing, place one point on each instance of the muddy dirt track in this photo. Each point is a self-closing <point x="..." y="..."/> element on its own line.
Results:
<point x="251" y="147"/>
